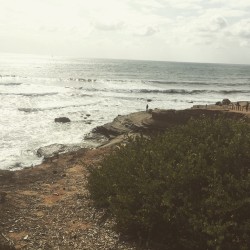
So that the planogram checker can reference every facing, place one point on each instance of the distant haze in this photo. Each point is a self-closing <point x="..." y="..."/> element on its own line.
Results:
<point x="172" y="30"/>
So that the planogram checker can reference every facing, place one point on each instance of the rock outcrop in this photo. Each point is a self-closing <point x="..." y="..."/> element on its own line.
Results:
<point x="62" y="119"/>
<point x="156" y="120"/>
<point x="133" y="122"/>
<point x="56" y="149"/>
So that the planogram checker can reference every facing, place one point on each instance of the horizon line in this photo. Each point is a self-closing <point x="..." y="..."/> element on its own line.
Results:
<point x="121" y="59"/>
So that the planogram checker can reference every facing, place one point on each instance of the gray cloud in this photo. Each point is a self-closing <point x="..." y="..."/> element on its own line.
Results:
<point x="240" y="31"/>
<point x="213" y="24"/>
<point x="219" y="23"/>
<point x="244" y="29"/>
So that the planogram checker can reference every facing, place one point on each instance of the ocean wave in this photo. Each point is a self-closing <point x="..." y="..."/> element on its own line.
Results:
<point x="168" y="91"/>
<point x="229" y="92"/>
<point x="31" y="94"/>
<point x="1" y="76"/>
<point x="177" y="82"/>
<point x="199" y="83"/>
<point x="105" y="80"/>
<point x="180" y="83"/>
<point x="82" y="79"/>
<point x="171" y="91"/>
<point x="193" y="92"/>
<point x="11" y="84"/>
<point x="31" y="110"/>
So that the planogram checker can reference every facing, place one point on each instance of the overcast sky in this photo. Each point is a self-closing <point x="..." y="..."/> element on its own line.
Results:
<point x="171" y="30"/>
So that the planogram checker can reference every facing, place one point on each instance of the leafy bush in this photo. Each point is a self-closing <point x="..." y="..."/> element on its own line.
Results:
<point x="186" y="189"/>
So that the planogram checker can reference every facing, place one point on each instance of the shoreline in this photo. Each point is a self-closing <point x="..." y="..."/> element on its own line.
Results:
<point x="48" y="206"/>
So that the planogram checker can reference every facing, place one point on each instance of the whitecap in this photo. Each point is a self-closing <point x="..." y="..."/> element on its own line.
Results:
<point x="11" y="84"/>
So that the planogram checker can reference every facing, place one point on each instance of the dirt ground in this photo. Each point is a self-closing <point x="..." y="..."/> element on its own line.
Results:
<point x="48" y="207"/>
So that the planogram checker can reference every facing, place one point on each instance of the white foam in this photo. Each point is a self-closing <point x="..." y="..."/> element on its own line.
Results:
<point x="34" y="92"/>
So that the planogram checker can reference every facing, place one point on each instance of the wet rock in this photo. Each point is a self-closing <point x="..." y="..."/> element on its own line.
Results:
<point x="55" y="149"/>
<point x="62" y="119"/>
<point x="96" y="138"/>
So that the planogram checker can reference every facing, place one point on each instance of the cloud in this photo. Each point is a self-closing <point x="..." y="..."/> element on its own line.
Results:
<point x="213" y="24"/>
<point x="153" y="4"/>
<point x="120" y="28"/>
<point x="232" y="3"/>
<point x="109" y="26"/>
<point x="150" y="31"/>
<point x="219" y="23"/>
<point x="203" y="29"/>
<point x="146" y="32"/>
<point x="183" y="4"/>
<point x="240" y="31"/>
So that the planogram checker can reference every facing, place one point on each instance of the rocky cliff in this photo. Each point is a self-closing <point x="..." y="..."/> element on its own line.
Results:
<point x="156" y="120"/>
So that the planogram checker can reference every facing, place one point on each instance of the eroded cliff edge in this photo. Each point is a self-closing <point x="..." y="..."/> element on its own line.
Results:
<point x="156" y="120"/>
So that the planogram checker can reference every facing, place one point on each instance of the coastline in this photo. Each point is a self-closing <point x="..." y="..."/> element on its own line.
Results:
<point x="48" y="206"/>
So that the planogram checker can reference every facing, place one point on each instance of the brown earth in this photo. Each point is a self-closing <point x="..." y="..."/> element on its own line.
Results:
<point x="48" y="206"/>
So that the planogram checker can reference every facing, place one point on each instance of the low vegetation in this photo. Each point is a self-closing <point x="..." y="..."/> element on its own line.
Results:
<point x="186" y="189"/>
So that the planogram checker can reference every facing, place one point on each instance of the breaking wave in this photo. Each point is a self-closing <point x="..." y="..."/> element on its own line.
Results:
<point x="177" y="82"/>
<point x="30" y="110"/>
<point x="82" y="79"/>
<point x="11" y="84"/>
<point x="1" y="76"/>
<point x="170" y="91"/>
<point x="31" y="94"/>
<point x="192" y="92"/>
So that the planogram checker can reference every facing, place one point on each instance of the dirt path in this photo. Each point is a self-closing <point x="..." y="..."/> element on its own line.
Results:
<point x="48" y="207"/>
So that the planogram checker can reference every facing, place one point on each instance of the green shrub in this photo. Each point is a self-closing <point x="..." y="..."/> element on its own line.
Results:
<point x="186" y="189"/>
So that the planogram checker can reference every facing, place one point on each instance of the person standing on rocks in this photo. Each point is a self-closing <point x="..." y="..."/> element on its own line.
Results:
<point x="247" y="106"/>
<point x="147" y="108"/>
<point x="237" y="106"/>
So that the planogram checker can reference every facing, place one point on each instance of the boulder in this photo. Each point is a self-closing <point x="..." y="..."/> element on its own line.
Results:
<point x="56" y="149"/>
<point x="218" y="103"/>
<point x="62" y="119"/>
<point x="226" y="102"/>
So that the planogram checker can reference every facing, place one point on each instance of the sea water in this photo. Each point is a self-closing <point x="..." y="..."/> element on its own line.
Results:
<point x="34" y="90"/>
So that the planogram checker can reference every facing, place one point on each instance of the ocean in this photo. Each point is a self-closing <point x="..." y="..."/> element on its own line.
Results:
<point x="34" y="90"/>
